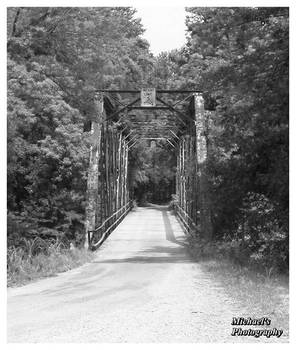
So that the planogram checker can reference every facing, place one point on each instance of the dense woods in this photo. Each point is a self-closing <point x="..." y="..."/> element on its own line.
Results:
<point x="239" y="57"/>
<point x="57" y="57"/>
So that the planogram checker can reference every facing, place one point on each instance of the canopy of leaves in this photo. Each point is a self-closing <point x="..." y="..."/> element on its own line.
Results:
<point x="240" y="58"/>
<point x="152" y="174"/>
<point x="57" y="58"/>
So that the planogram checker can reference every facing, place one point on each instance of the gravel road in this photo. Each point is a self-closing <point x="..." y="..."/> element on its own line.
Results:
<point x="141" y="287"/>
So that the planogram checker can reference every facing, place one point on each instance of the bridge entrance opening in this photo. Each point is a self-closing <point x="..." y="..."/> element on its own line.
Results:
<point x="147" y="146"/>
<point x="154" y="172"/>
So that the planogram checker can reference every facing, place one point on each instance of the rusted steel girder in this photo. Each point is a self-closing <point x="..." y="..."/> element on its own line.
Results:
<point x="157" y="91"/>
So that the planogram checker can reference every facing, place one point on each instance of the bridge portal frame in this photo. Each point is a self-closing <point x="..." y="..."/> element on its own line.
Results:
<point x="192" y="221"/>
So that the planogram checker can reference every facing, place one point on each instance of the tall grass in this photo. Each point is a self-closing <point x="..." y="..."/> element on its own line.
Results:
<point x="39" y="258"/>
<point x="261" y="292"/>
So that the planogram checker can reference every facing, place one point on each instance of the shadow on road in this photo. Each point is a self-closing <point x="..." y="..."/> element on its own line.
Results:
<point x="169" y="232"/>
<point x="158" y="253"/>
<point x="155" y="254"/>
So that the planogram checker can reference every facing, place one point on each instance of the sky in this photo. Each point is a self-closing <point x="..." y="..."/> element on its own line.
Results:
<point x="165" y="27"/>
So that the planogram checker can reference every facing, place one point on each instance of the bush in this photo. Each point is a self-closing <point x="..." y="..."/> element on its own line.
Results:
<point x="259" y="241"/>
<point x="261" y="231"/>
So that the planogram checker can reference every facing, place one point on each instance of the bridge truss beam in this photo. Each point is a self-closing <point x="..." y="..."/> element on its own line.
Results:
<point x="107" y="184"/>
<point x="192" y="186"/>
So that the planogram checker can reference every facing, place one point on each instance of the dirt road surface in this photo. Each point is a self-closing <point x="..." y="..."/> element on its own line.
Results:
<point x="141" y="287"/>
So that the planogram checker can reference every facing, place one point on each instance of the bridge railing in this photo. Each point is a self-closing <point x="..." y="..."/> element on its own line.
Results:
<point x="187" y="222"/>
<point x="104" y="230"/>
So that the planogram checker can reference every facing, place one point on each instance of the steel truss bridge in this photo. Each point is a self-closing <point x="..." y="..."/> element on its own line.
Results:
<point x="124" y="118"/>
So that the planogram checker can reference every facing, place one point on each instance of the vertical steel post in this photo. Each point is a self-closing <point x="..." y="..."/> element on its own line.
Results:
<point x="93" y="169"/>
<point x="201" y="156"/>
<point x="126" y="176"/>
<point x="178" y="173"/>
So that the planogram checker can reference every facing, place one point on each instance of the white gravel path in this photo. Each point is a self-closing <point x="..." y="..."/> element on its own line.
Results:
<point x="142" y="287"/>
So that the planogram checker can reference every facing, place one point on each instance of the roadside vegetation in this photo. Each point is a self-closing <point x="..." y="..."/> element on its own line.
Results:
<point x="244" y="67"/>
<point x="38" y="258"/>
<point x="57" y="58"/>
<point x="261" y="292"/>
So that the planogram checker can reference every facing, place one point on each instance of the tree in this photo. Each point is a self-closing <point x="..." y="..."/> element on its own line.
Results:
<point x="239" y="56"/>
<point x="57" y="58"/>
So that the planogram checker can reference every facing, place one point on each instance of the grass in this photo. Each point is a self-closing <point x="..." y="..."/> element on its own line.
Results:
<point x="260" y="294"/>
<point x="38" y="259"/>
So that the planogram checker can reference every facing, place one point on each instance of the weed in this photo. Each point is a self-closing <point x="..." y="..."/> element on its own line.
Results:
<point x="38" y="258"/>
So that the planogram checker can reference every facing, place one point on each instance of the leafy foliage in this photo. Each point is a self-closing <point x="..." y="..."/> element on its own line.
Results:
<point x="57" y="57"/>
<point x="38" y="258"/>
<point x="240" y="57"/>
<point x="153" y="172"/>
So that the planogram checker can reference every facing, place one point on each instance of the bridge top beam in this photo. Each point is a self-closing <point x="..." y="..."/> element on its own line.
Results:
<point x="157" y="91"/>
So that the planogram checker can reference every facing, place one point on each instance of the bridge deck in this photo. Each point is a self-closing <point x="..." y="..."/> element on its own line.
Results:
<point x="142" y="287"/>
